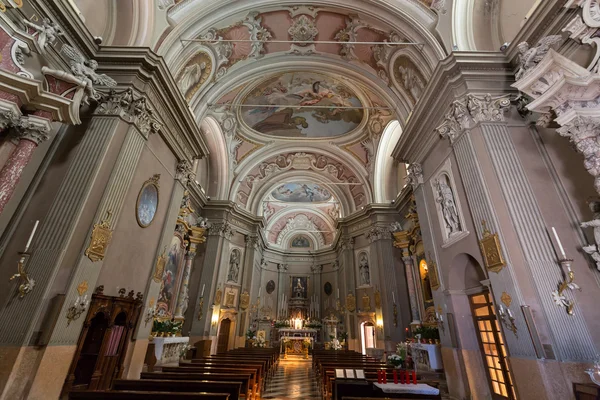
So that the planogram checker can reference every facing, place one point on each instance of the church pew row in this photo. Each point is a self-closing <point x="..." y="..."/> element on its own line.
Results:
<point x="159" y="385"/>
<point x="129" y="395"/>
<point x="259" y="366"/>
<point x="244" y="379"/>
<point x="253" y="384"/>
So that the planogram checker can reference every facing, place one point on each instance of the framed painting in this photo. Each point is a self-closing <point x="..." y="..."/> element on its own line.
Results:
<point x="299" y="287"/>
<point x="167" y="297"/>
<point x="147" y="202"/>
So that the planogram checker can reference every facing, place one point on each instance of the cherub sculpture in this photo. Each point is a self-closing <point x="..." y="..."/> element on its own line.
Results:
<point x="84" y="70"/>
<point x="530" y="57"/>
<point x="48" y="32"/>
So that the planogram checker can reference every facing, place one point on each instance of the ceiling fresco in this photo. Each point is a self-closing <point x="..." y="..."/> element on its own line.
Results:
<point x="301" y="193"/>
<point x="303" y="89"/>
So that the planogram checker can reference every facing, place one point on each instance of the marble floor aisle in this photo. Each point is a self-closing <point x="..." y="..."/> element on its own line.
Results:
<point x="293" y="379"/>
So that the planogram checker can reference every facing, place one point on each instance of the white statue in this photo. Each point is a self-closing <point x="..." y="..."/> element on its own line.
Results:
<point x="234" y="266"/>
<point x="363" y="268"/>
<point x="594" y="249"/>
<point x="411" y="81"/>
<point x="48" y="32"/>
<point x="530" y="57"/>
<point x="191" y="76"/>
<point x="203" y="223"/>
<point x="448" y="205"/>
<point x="299" y="289"/>
<point x="396" y="227"/>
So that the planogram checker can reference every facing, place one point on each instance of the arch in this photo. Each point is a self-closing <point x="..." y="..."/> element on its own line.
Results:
<point x="464" y="273"/>
<point x="386" y="175"/>
<point x="218" y="165"/>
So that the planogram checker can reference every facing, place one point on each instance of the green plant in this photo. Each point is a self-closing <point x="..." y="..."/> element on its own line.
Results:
<point x="250" y="334"/>
<point x="427" y="332"/>
<point x="342" y="336"/>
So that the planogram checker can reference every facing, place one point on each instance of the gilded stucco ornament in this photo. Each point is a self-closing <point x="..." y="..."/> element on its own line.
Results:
<point x="101" y="237"/>
<point x="491" y="250"/>
<point x="351" y="302"/>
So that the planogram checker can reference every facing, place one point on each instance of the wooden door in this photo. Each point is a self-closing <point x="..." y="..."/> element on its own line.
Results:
<point x="223" y="339"/>
<point x="492" y="346"/>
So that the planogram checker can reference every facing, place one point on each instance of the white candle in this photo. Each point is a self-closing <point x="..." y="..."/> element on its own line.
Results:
<point x="562" y="251"/>
<point x="259" y="289"/>
<point x="509" y="312"/>
<point x="501" y="310"/>
<point x="203" y="286"/>
<point x="441" y="318"/>
<point x="31" y="236"/>
<point x="393" y="298"/>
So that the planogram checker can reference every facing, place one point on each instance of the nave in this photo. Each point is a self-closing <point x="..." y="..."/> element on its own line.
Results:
<point x="294" y="378"/>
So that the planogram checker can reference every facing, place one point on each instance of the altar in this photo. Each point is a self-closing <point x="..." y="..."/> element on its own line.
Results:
<point x="168" y="349"/>
<point x="296" y="341"/>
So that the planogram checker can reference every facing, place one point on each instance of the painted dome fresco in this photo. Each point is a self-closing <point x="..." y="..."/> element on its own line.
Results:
<point x="301" y="193"/>
<point x="313" y="93"/>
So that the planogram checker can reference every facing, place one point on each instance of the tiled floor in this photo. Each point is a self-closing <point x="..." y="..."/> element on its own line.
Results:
<point x="293" y="379"/>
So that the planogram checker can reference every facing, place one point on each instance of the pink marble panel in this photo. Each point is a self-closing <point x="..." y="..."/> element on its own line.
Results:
<point x="329" y="24"/>
<point x="278" y="23"/>
<point x="59" y="87"/>
<point x="12" y="170"/>
<point x="6" y="43"/>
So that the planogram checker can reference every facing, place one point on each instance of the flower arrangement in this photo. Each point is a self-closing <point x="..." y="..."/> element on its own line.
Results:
<point x="260" y="342"/>
<point x="313" y="325"/>
<point x="166" y="328"/>
<point x="250" y="334"/>
<point x="342" y="336"/>
<point x="283" y="323"/>
<point x="184" y="350"/>
<point x="395" y="360"/>
<point x="402" y="349"/>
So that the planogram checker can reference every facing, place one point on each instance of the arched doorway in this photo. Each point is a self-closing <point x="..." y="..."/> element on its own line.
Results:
<point x="223" y="338"/>
<point x="367" y="336"/>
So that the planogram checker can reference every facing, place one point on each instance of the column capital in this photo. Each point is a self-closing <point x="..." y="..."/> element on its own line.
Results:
<point x="378" y="233"/>
<point x="282" y="267"/>
<point x="8" y="117"/>
<point x="470" y="110"/>
<point x="252" y="242"/>
<point x="32" y="128"/>
<point x="415" y="175"/>
<point x="347" y="243"/>
<point x="584" y="133"/>
<point x="222" y="229"/>
<point x="317" y="268"/>
<point x="134" y="110"/>
<point x="184" y="172"/>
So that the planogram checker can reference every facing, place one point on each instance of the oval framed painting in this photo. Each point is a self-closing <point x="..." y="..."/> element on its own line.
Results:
<point x="328" y="289"/>
<point x="270" y="287"/>
<point x="147" y="202"/>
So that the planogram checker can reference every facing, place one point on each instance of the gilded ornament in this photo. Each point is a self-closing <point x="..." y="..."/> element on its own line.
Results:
<point x="506" y="299"/>
<point x="218" y="296"/>
<point x="230" y="298"/>
<point x="377" y="299"/>
<point x="244" y="300"/>
<point x="101" y="236"/>
<point x="434" y="280"/>
<point x="159" y="268"/>
<point x="366" y="302"/>
<point x="82" y="288"/>
<point x="491" y="250"/>
<point x="351" y="302"/>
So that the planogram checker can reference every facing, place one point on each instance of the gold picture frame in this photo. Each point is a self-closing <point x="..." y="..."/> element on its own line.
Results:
<point x="434" y="279"/>
<point x="101" y="236"/>
<point x="159" y="269"/>
<point x="244" y="300"/>
<point x="491" y="250"/>
<point x="351" y="302"/>
<point x="147" y="202"/>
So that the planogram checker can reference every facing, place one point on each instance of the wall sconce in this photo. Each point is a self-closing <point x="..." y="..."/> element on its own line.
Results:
<point x="26" y="283"/>
<point x="395" y="316"/>
<point x="79" y="307"/>
<point x="507" y="319"/>
<point x="379" y="323"/>
<point x="215" y="318"/>
<point x="200" y="307"/>
<point x="439" y="319"/>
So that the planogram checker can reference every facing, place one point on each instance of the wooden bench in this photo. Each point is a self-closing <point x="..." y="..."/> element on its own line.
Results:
<point x="253" y="385"/>
<point x="246" y="390"/>
<point x="128" y="395"/>
<point x="159" y="385"/>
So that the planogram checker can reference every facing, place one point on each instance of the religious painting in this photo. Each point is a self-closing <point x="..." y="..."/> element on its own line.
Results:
<point x="147" y="202"/>
<point x="270" y="286"/>
<point x="300" y="242"/>
<point x="301" y="193"/>
<point x="276" y="115"/>
<point x="170" y="279"/>
<point x="300" y="287"/>
<point x="328" y="289"/>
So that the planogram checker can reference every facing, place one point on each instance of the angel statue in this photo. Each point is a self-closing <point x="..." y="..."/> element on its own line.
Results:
<point x="530" y="57"/>
<point x="83" y="72"/>
<point x="594" y="249"/>
<point x="396" y="227"/>
<point x="48" y="32"/>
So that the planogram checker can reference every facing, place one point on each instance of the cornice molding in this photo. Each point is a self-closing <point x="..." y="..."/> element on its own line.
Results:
<point x="456" y="76"/>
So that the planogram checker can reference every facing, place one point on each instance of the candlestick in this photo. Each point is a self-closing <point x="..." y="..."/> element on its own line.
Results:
<point x="203" y="287"/>
<point x="509" y="312"/>
<point x="31" y="236"/>
<point x="393" y="297"/>
<point x="562" y="251"/>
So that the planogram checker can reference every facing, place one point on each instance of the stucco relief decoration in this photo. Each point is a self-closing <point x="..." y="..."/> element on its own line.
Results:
<point x="195" y="74"/>
<point x="132" y="109"/>
<point x="349" y="34"/>
<point x="364" y="269"/>
<point x="303" y="29"/>
<point x="408" y="77"/>
<point x="491" y="250"/>
<point x="383" y="54"/>
<point x="229" y="125"/>
<point x="594" y="249"/>
<point x="447" y="203"/>
<point x="234" y="266"/>
<point x="351" y="302"/>
<point x="101" y="237"/>
<point x="455" y="121"/>
<point x="222" y="51"/>
<point x="583" y="133"/>
<point x="584" y="28"/>
<point x="159" y="268"/>
<point x="300" y="222"/>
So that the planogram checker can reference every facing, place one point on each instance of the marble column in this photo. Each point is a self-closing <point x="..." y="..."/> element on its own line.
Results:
<point x="183" y="297"/>
<point x="412" y="290"/>
<point x="29" y="132"/>
<point x="282" y="285"/>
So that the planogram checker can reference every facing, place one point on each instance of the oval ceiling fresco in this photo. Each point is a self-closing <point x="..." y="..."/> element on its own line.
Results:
<point x="275" y="99"/>
<point x="301" y="193"/>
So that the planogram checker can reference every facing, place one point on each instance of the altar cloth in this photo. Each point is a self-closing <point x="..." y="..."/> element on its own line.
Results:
<point x="419" y="388"/>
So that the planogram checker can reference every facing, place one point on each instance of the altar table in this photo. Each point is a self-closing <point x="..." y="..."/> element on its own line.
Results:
<point x="401" y="388"/>
<point x="168" y="349"/>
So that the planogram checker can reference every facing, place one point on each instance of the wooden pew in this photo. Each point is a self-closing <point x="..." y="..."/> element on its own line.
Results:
<point x="230" y="362"/>
<point x="155" y="385"/>
<point x="246" y="390"/>
<point x="189" y="368"/>
<point x="127" y="395"/>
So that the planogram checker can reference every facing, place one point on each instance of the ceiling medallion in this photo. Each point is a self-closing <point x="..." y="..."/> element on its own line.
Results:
<point x="303" y="29"/>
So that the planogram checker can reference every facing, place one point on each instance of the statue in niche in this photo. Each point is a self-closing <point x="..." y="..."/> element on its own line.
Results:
<point x="299" y="289"/>
<point x="594" y="249"/>
<point x="411" y="81"/>
<point x="234" y="266"/>
<point x="191" y="75"/>
<point x="446" y="200"/>
<point x="363" y="268"/>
